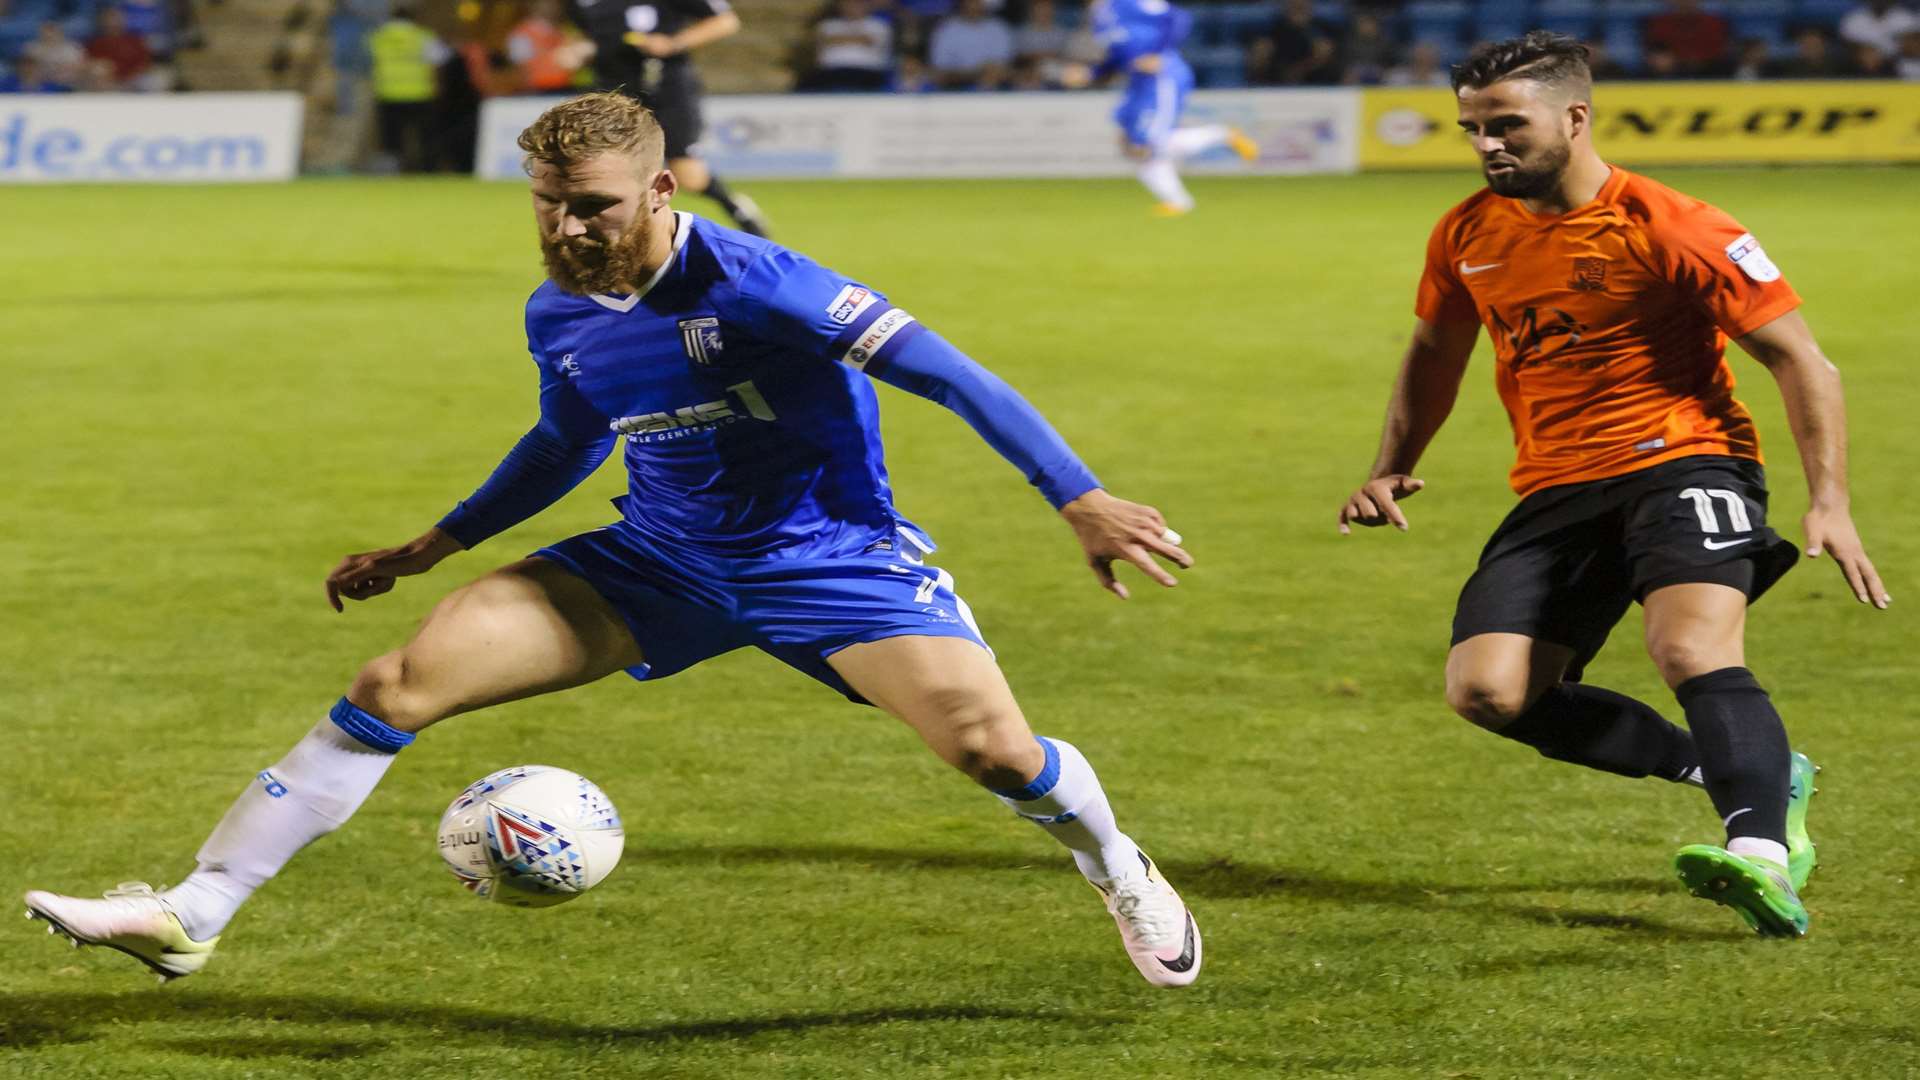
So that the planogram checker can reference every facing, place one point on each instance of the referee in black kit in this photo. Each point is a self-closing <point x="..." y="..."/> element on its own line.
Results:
<point x="644" y="51"/>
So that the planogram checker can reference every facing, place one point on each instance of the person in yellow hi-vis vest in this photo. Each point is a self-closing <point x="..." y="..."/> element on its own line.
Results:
<point x="406" y="63"/>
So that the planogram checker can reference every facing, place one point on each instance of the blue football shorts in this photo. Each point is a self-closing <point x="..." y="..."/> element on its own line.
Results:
<point x="1151" y="106"/>
<point x="682" y="611"/>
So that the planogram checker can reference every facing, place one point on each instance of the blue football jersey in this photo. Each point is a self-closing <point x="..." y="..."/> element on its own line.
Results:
<point x="1130" y="29"/>
<point x="736" y="377"/>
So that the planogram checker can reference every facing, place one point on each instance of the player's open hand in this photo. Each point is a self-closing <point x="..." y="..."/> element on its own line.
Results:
<point x="1832" y="532"/>
<point x="370" y="573"/>
<point x="1378" y="502"/>
<point x="1111" y="529"/>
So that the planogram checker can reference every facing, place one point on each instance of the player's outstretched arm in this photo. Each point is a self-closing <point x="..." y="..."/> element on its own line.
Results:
<point x="1109" y="529"/>
<point x="1423" y="396"/>
<point x="548" y="461"/>
<point x="367" y="574"/>
<point x="1817" y="412"/>
<point x="705" y="32"/>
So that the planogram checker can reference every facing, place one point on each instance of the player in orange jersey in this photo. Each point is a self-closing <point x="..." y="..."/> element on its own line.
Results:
<point x="1610" y="299"/>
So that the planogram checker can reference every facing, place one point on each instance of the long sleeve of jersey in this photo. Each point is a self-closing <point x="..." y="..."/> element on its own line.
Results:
<point x="562" y="449"/>
<point x="928" y="366"/>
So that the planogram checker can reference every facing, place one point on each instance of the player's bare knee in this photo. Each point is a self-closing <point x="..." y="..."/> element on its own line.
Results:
<point x="1488" y="704"/>
<point x="387" y="688"/>
<point x="1002" y="761"/>
<point x="979" y="738"/>
<point x="1681" y="659"/>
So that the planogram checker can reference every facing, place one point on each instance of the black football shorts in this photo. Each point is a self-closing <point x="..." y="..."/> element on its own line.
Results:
<point x="1569" y="560"/>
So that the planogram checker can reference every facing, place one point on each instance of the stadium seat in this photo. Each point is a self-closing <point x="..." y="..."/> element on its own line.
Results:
<point x="1574" y="17"/>
<point x="1623" y="45"/>
<point x="1217" y="66"/>
<point x="32" y="11"/>
<point x="14" y="37"/>
<point x="1826" y="12"/>
<point x="1451" y="49"/>
<point x="1233" y="24"/>
<point x="1209" y="28"/>
<point x="1498" y="27"/>
<point x="1442" y="22"/>
<point x="1768" y="28"/>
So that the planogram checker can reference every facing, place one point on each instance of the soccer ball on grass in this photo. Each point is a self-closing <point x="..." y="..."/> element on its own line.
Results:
<point x="531" y="836"/>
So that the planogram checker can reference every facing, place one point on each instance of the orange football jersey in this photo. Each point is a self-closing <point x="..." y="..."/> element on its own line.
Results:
<point x="1609" y="324"/>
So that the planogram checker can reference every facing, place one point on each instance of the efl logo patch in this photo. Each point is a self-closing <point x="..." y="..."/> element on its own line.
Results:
<point x="847" y="306"/>
<point x="877" y="335"/>
<point x="1747" y="254"/>
<point x="1589" y="274"/>
<point x="702" y="339"/>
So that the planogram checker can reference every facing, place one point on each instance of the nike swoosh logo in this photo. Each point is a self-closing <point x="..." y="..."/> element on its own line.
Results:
<point x="1716" y="545"/>
<point x="1467" y="269"/>
<point x="1184" y="962"/>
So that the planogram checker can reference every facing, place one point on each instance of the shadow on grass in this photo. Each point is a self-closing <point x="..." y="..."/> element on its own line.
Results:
<point x="1227" y="879"/>
<point x="253" y="1047"/>
<point x="36" y="1019"/>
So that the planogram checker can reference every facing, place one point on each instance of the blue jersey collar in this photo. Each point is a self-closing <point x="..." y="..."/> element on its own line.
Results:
<point x="682" y="228"/>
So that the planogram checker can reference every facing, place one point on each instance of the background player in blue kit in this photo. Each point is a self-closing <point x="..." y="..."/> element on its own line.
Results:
<point x="1142" y="38"/>
<point x="758" y="513"/>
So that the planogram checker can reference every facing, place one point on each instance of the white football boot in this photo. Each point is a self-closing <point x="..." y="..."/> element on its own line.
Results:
<point x="1159" y="932"/>
<point x="130" y="919"/>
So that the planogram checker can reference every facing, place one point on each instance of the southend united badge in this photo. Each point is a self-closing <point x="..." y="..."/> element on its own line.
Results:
<point x="702" y="339"/>
<point x="1589" y="275"/>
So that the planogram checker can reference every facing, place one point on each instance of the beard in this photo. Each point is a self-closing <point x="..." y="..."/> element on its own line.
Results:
<point x="1531" y="181"/>
<point x="582" y="265"/>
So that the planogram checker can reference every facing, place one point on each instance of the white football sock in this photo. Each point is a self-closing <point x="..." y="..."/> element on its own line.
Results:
<point x="302" y="797"/>
<point x="1186" y="142"/>
<point x="1163" y="180"/>
<point x="1753" y="847"/>
<point x="1070" y="806"/>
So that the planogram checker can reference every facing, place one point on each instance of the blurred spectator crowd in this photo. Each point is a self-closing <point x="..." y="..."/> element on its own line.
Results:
<point x="926" y="45"/>
<point x="918" y="45"/>
<point x="63" y="46"/>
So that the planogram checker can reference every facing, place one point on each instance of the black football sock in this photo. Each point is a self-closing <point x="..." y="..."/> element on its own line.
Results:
<point x="1743" y="751"/>
<point x="1600" y="729"/>
<point x="744" y="211"/>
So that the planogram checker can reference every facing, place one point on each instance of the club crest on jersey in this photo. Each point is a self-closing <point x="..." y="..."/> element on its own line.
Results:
<point x="1589" y="274"/>
<point x="702" y="339"/>
<point x="1747" y="254"/>
<point x="849" y="303"/>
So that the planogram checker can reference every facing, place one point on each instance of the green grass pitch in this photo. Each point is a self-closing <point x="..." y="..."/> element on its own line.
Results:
<point x="211" y="394"/>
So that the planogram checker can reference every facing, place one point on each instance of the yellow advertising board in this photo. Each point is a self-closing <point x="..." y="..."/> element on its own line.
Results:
<point x="1675" y="123"/>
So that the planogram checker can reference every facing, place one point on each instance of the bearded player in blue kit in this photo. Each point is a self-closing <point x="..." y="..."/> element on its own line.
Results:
<point x="758" y="513"/>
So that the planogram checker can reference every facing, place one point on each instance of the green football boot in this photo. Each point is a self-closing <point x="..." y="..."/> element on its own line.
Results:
<point x="1800" y="860"/>
<point x="1758" y="889"/>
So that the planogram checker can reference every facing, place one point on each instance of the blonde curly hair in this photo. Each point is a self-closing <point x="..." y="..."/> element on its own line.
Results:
<point x="593" y="124"/>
